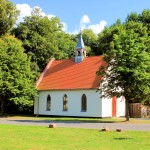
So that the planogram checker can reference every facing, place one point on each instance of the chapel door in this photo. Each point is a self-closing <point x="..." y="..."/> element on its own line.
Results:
<point x="114" y="106"/>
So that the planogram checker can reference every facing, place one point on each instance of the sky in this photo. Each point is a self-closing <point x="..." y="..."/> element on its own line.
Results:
<point x="83" y="14"/>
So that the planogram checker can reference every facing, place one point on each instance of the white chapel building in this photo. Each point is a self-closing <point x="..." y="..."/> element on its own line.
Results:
<point x="69" y="88"/>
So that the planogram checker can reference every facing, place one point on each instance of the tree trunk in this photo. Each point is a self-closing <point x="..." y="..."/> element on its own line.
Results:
<point x="2" y="105"/>
<point x="127" y="110"/>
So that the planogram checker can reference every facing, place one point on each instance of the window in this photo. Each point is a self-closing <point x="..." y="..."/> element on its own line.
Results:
<point x="48" y="107"/>
<point x="83" y="53"/>
<point x="83" y="103"/>
<point x="65" y="103"/>
<point x="79" y="53"/>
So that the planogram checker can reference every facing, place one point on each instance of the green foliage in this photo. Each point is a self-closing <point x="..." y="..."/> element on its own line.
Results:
<point x="16" y="78"/>
<point x="90" y="40"/>
<point x="143" y="18"/>
<point x="36" y="33"/>
<point x="43" y="39"/>
<point x="8" y="16"/>
<point x="65" y="46"/>
<point x="127" y="52"/>
<point x="133" y="17"/>
<point x="128" y="61"/>
<point x="106" y="37"/>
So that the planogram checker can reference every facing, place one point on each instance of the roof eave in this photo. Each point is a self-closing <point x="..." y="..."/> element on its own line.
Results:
<point x="68" y="89"/>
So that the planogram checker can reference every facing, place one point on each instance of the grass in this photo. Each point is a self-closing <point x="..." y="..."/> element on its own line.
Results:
<point x="76" y="119"/>
<point x="19" y="137"/>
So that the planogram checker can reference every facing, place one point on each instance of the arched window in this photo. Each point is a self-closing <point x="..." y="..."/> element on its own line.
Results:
<point x="65" y="103"/>
<point x="48" y="106"/>
<point x="83" y="103"/>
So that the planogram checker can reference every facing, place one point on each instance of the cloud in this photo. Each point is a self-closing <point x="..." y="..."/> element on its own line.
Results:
<point x="25" y="10"/>
<point x="85" y="24"/>
<point x="41" y="12"/>
<point x="84" y="20"/>
<point x="97" y="28"/>
<point x="50" y="16"/>
<point x="65" y="27"/>
<point x="76" y="31"/>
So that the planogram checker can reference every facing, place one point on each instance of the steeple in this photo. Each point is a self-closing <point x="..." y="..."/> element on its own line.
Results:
<point x="80" y="42"/>
<point x="80" y="51"/>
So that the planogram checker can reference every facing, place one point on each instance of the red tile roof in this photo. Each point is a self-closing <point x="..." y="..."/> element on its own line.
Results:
<point x="66" y="74"/>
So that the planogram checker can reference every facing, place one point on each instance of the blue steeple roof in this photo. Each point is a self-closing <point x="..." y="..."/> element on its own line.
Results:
<point x="80" y="44"/>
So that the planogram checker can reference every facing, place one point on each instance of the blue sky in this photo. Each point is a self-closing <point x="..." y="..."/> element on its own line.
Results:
<point x="76" y="14"/>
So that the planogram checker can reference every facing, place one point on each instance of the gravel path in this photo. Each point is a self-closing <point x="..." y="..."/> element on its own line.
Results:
<point x="78" y="124"/>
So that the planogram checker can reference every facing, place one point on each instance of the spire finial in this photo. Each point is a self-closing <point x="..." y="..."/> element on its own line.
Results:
<point x="80" y="44"/>
<point x="80" y="31"/>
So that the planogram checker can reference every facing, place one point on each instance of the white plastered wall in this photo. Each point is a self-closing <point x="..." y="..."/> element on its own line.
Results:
<point x="36" y="105"/>
<point x="120" y="107"/>
<point x="107" y="107"/>
<point x="94" y="104"/>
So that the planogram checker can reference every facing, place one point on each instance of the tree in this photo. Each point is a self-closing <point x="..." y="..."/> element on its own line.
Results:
<point x="106" y="37"/>
<point x="43" y="39"/>
<point x="8" y="16"/>
<point x="65" y="46"/>
<point x="133" y="17"/>
<point x="128" y="70"/>
<point x="143" y="18"/>
<point x="90" y="40"/>
<point x="16" y="79"/>
<point x="37" y="35"/>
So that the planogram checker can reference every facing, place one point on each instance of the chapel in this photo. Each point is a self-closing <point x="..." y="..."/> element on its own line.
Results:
<point x="69" y="87"/>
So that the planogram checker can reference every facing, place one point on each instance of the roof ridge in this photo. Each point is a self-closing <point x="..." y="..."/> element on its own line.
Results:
<point x="73" y="58"/>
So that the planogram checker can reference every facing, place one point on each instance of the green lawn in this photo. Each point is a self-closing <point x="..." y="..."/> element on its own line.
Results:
<point x="19" y="137"/>
<point x="76" y="119"/>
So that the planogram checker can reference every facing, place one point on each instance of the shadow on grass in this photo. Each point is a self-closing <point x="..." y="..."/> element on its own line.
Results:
<point x="90" y="120"/>
<point x="61" y="119"/>
<point x="15" y="115"/>
<point x="65" y="120"/>
<point x="122" y="138"/>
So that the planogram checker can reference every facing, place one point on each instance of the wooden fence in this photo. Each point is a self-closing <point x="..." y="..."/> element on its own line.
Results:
<point x="137" y="110"/>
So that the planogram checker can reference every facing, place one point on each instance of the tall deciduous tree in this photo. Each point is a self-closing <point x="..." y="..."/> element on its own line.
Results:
<point x="16" y="78"/>
<point x="37" y="35"/>
<point x="43" y="38"/>
<point x="8" y="16"/>
<point x="128" y="67"/>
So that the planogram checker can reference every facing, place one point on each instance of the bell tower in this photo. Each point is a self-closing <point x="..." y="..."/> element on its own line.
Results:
<point x="80" y="52"/>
